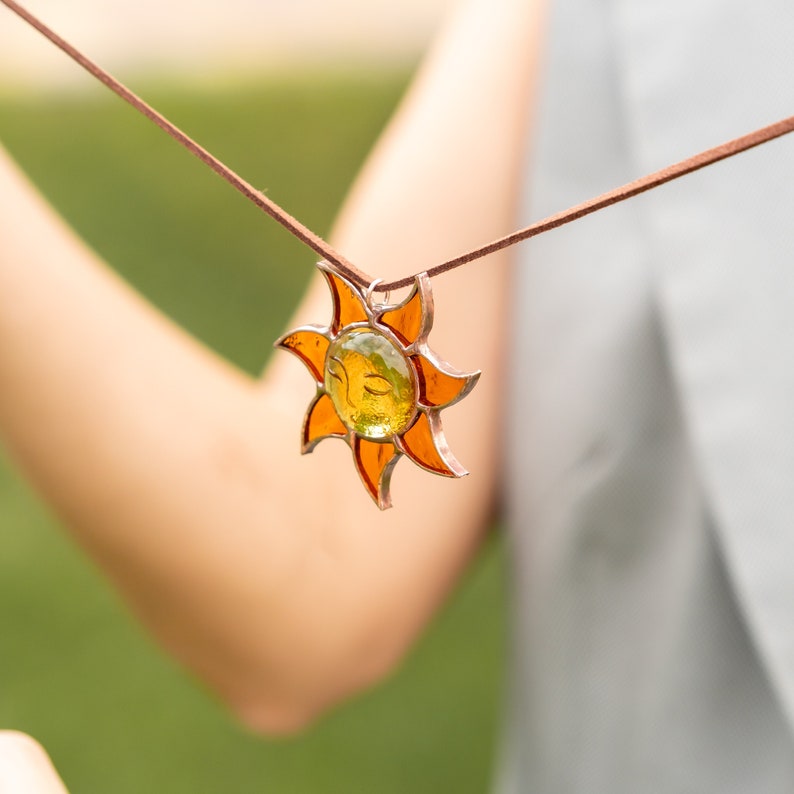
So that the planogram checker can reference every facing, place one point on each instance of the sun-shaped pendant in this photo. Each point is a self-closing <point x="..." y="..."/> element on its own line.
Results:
<point x="379" y="386"/>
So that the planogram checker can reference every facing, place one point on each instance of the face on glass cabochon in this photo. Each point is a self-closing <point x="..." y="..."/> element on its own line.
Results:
<point x="370" y="383"/>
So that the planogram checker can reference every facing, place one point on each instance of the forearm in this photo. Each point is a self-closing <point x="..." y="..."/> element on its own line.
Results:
<point x="272" y="575"/>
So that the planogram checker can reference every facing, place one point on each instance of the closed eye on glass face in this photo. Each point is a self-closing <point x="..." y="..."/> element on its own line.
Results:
<point x="332" y="372"/>
<point x="377" y="384"/>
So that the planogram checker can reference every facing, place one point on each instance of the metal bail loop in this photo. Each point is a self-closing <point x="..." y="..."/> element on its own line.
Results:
<point x="370" y="294"/>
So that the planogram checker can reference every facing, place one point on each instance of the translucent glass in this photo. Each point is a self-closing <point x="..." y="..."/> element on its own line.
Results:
<point x="321" y="422"/>
<point x="310" y="346"/>
<point x="437" y="388"/>
<point x="421" y="448"/>
<point x="371" y="384"/>
<point x="374" y="461"/>
<point x="406" y="320"/>
<point x="348" y="305"/>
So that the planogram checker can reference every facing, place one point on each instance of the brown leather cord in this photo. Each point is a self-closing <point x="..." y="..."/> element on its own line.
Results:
<point x="339" y="263"/>
<point x="615" y="196"/>
<point x="292" y="225"/>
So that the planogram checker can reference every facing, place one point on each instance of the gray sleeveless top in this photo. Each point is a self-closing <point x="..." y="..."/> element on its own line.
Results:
<point x="651" y="423"/>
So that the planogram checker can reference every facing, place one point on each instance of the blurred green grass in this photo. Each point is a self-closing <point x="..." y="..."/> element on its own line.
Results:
<point x="75" y="670"/>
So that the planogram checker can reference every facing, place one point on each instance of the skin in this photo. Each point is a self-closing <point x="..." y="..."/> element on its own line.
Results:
<point x="25" y="768"/>
<point x="181" y="476"/>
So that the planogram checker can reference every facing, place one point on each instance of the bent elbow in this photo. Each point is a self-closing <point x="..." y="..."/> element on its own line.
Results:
<point x="290" y="710"/>
<point x="274" y="720"/>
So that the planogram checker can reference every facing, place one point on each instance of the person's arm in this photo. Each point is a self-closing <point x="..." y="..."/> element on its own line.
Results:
<point x="272" y="575"/>
<point x="25" y="767"/>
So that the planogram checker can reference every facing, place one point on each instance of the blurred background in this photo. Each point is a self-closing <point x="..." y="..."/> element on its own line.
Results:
<point x="291" y="95"/>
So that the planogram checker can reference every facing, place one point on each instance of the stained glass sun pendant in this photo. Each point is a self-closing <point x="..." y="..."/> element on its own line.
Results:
<point x="379" y="386"/>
